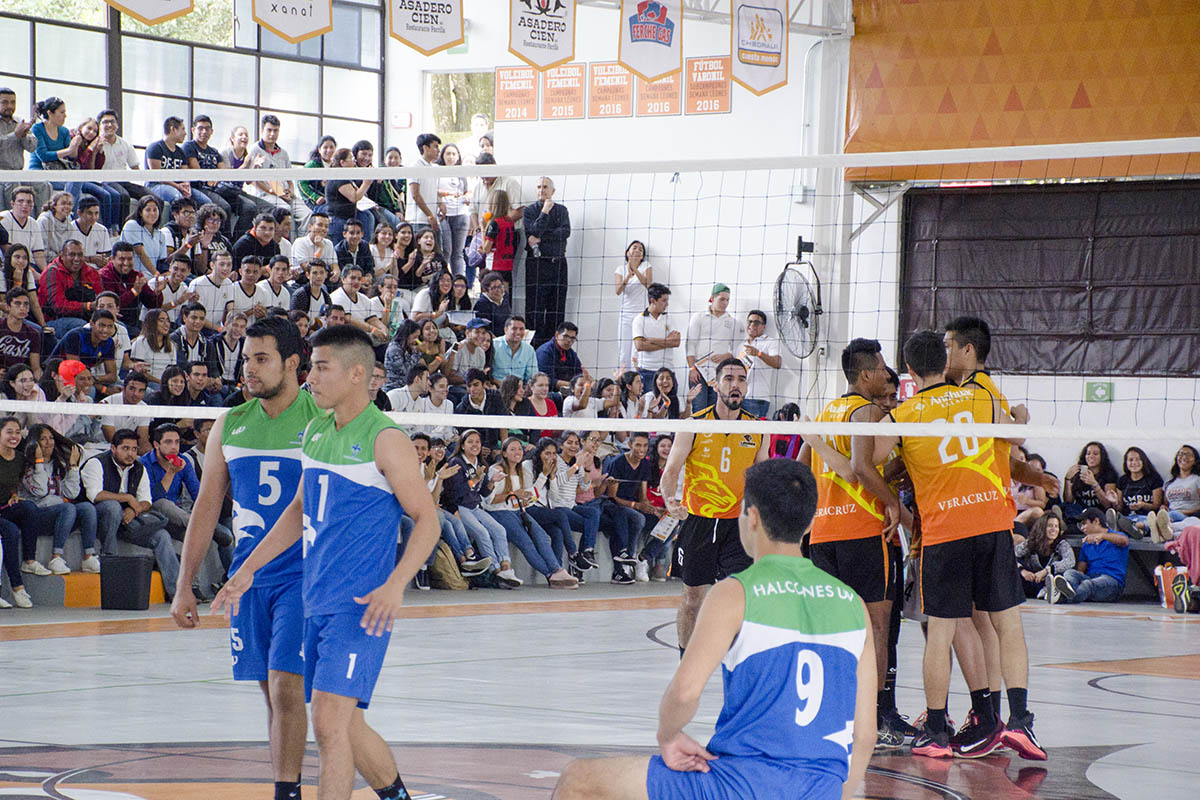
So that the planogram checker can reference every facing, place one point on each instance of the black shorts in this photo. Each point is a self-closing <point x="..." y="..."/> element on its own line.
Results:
<point x="979" y="570"/>
<point x="709" y="550"/>
<point x="862" y="564"/>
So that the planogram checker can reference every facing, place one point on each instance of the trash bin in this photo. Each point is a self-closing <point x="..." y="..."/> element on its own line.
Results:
<point x="125" y="582"/>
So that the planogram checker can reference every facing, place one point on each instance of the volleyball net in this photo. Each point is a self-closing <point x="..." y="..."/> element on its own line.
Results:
<point x="1081" y="257"/>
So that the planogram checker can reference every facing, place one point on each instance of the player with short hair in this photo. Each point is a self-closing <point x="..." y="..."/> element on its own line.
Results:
<point x="797" y="667"/>
<point x="714" y="467"/>
<point x="360" y="477"/>
<point x="966" y="555"/>
<point x="258" y="463"/>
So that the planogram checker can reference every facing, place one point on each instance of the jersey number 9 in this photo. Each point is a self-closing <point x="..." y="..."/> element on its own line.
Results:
<point x="810" y="686"/>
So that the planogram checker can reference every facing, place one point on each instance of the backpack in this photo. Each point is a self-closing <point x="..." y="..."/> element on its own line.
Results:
<point x="444" y="573"/>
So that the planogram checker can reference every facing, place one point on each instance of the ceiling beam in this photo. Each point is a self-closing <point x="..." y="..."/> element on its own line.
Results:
<point x="829" y="18"/>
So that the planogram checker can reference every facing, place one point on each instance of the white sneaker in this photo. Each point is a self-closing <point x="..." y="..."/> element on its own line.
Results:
<point x="510" y="576"/>
<point x="90" y="564"/>
<point x="4" y="603"/>
<point x="34" y="568"/>
<point x="22" y="599"/>
<point x="641" y="573"/>
<point x="58" y="566"/>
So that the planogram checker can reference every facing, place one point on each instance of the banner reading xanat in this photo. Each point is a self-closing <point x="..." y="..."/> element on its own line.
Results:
<point x="651" y="42"/>
<point x="294" y="20"/>
<point x="427" y="26"/>
<point x="759" y="44"/>
<point x="152" y="12"/>
<point x="542" y="32"/>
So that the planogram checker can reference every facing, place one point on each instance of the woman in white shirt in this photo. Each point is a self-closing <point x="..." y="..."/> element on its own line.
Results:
<point x="143" y="231"/>
<point x="383" y="251"/>
<point x="548" y="507"/>
<point x="631" y="281"/>
<point x="452" y="192"/>
<point x="56" y="224"/>
<point x="438" y="402"/>
<point x="153" y="347"/>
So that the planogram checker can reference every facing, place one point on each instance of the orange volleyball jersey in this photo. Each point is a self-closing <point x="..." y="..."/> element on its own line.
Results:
<point x="845" y="510"/>
<point x="956" y="479"/>
<point x="714" y="474"/>
<point x="984" y="381"/>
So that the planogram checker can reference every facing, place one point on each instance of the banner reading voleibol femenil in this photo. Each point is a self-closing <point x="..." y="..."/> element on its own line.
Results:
<point x="542" y="32"/>
<point x="651" y="43"/>
<point x="759" y="44"/>
<point x="428" y="26"/>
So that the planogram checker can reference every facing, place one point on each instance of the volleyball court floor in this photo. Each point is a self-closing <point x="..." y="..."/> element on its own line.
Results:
<point x="490" y="694"/>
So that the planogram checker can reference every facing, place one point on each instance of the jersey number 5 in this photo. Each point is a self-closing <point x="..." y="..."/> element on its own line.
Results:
<point x="810" y="686"/>
<point x="269" y="487"/>
<point x="969" y="445"/>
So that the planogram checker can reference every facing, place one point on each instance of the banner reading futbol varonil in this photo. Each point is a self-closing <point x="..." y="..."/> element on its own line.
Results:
<point x="427" y="26"/>
<point x="759" y="44"/>
<point x="294" y="20"/>
<point x="152" y="12"/>
<point x="542" y="32"/>
<point x="651" y="42"/>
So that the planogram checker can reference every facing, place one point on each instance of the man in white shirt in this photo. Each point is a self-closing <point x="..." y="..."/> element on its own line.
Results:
<point x="214" y="291"/>
<point x="424" y="210"/>
<point x="86" y="230"/>
<point x="712" y="336"/>
<point x="360" y="312"/>
<point x="408" y="397"/>
<point x="132" y="393"/>
<point x="483" y="190"/>
<point x="760" y="354"/>
<point x="22" y="228"/>
<point x="109" y="301"/>
<point x="246" y="296"/>
<point x="653" y="337"/>
<point x="315" y="244"/>
<point x="176" y="292"/>
<point x="267" y="154"/>
<point x="272" y="291"/>
<point x="119" y="486"/>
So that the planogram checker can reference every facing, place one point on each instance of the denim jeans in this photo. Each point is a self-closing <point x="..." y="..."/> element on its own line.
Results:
<point x="488" y="535"/>
<point x="407" y="524"/>
<point x="455" y="534"/>
<point x="112" y="203"/>
<point x="454" y="239"/>
<point x="585" y="517"/>
<point x="759" y="408"/>
<point x="557" y="523"/>
<point x="705" y="398"/>
<point x="337" y="225"/>
<point x="168" y="194"/>
<point x="623" y="526"/>
<point x="10" y="545"/>
<point x="64" y="325"/>
<point x="1098" y="589"/>
<point x="61" y="517"/>
<point x="534" y="543"/>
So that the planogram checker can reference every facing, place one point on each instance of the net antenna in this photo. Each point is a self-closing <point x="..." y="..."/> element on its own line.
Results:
<point x="798" y="303"/>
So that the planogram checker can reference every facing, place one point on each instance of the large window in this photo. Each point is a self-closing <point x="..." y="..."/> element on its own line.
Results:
<point x="213" y="61"/>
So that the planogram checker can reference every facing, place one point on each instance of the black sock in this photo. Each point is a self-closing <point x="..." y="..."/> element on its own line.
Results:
<point x="996" y="701"/>
<point x="981" y="704"/>
<point x="1017" y="699"/>
<point x="935" y="720"/>
<point x="395" y="791"/>
<point x="885" y="701"/>
<point x="681" y="653"/>
<point x="287" y="790"/>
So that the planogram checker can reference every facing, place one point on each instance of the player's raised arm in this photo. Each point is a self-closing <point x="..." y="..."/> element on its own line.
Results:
<point x="206" y="513"/>
<point x="716" y="627"/>
<point x="865" y="720"/>
<point x="397" y="461"/>
<point x="285" y="533"/>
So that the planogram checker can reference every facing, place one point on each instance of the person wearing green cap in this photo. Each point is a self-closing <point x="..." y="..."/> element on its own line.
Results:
<point x="712" y="336"/>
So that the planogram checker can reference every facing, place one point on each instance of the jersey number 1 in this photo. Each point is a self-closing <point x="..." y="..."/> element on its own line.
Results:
<point x="323" y="482"/>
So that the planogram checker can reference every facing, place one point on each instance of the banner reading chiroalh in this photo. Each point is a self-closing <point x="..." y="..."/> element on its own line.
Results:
<point x="651" y="42"/>
<point x="759" y="43"/>
<point x="542" y="32"/>
<point x="427" y="26"/>
<point x="294" y="20"/>
<point x="152" y="12"/>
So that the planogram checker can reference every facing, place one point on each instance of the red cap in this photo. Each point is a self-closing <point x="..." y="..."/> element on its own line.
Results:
<point x="68" y="369"/>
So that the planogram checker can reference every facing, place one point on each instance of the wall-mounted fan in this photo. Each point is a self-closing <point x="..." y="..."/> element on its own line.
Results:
<point x="798" y="303"/>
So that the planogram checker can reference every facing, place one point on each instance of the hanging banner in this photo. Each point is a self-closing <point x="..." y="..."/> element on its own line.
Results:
<point x="611" y="92"/>
<point x="663" y="98"/>
<point x="427" y="26"/>
<point x="516" y="94"/>
<point x="759" y="44"/>
<point x="152" y="12"/>
<point x="294" y="20"/>
<point x="563" y="90"/>
<point x="542" y="32"/>
<point x="709" y="90"/>
<point x="651" y="42"/>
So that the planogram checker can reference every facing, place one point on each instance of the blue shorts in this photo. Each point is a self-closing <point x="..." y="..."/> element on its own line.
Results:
<point x="738" y="777"/>
<point x="340" y="658"/>
<point x="268" y="631"/>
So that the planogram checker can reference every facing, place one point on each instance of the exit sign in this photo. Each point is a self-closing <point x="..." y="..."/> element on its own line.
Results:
<point x="1098" y="392"/>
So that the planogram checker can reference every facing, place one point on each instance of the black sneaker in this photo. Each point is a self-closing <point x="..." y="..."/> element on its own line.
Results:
<point x="932" y="745"/>
<point x="621" y="574"/>
<point x="200" y="596"/>
<point x="587" y="557"/>
<point x="976" y="739"/>
<point x="889" y="737"/>
<point x="575" y="572"/>
<point x="421" y="580"/>
<point x="475" y="566"/>
<point x="623" y="557"/>
<point x="1018" y="735"/>
<point x="899" y="722"/>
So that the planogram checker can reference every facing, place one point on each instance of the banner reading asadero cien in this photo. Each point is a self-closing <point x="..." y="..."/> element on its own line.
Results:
<point x="427" y="26"/>
<point x="294" y="20"/>
<point x="542" y="32"/>
<point x="152" y="12"/>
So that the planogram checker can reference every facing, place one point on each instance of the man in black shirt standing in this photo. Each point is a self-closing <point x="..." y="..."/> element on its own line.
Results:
<point x="547" y="226"/>
<point x="201" y="155"/>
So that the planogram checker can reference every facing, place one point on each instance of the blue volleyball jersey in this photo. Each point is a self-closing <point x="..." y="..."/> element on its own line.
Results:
<point x="791" y="675"/>
<point x="263" y="458"/>
<point x="351" y="516"/>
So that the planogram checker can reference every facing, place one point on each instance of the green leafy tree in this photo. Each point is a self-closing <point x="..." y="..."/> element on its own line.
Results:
<point x="457" y="96"/>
